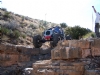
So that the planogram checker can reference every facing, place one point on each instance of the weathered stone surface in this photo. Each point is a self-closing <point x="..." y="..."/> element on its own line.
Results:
<point x="86" y="53"/>
<point x="21" y="49"/>
<point x="66" y="53"/>
<point x="65" y="67"/>
<point x="58" y="72"/>
<point x="52" y="54"/>
<point x="9" y="48"/>
<point x="50" y="72"/>
<point x="56" y="54"/>
<point x="2" y="56"/>
<point x="2" y="47"/>
<point x="23" y="58"/>
<point x="45" y="51"/>
<point x="45" y="66"/>
<point x="73" y="43"/>
<point x="13" y="50"/>
<point x="45" y="72"/>
<point x="91" y="72"/>
<point x="12" y="54"/>
<point x="6" y="57"/>
<point x="72" y="72"/>
<point x="84" y="44"/>
<point x="33" y="51"/>
<point x="77" y="66"/>
<point x="62" y="62"/>
<point x="70" y="53"/>
<point x="40" y="67"/>
<point x="41" y="63"/>
<point x="63" y="43"/>
<point x="9" y="59"/>
<point x="95" y="51"/>
<point x="95" y="43"/>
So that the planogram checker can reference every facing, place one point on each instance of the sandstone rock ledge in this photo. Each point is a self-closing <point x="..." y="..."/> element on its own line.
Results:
<point x="71" y="57"/>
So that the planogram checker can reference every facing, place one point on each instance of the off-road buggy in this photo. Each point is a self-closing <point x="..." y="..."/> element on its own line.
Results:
<point x="53" y="35"/>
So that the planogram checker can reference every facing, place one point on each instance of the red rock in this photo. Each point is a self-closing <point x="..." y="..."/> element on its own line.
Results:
<point x="95" y="51"/>
<point x="56" y="54"/>
<point x="86" y="53"/>
<point x="70" y="53"/>
<point x="84" y="44"/>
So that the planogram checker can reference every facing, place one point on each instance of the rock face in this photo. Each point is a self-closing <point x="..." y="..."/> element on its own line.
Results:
<point x="14" y="54"/>
<point x="71" y="57"/>
<point x="58" y="68"/>
<point x="66" y="53"/>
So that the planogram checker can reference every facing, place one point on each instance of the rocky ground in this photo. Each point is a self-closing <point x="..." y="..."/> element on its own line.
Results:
<point x="70" y="57"/>
<point x="24" y="68"/>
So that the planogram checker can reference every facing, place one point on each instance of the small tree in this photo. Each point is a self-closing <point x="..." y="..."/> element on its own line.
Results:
<point x="76" y="31"/>
<point x="63" y="25"/>
<point x="7" y="14"/>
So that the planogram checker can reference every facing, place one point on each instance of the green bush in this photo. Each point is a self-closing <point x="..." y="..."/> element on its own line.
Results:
<point x="5" y="31"/>
<point x="10" y="33"/>
<point x="23" y="18"/>
<point x="33" y="26"/>
<point x="91" y="34"/>
<point x="22" y="25"/>
<point x="24" y="36"/>
<point x="6" y="14"/>
<point x="76" y="31"/>
<point x="16" y="34"/>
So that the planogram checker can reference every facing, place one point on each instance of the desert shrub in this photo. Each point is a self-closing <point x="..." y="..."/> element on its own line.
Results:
<point x="91" y="34"/>
<point x="0" y="28"/>
<point x="22" y="25"/>
<point x="23" y="18"/>
<point x="10" y="33"/>
<point x="5" y="31"/>
<point x="23" y="35"/>
<point x="4" y="9"/>
<point x="41" y="27"/>
<point x="18" y="15"/>
<point x="16" y="34"/>
<point x="6" y="14"/>
<point x="11" y="25"/>
<point x="33" y="26"/>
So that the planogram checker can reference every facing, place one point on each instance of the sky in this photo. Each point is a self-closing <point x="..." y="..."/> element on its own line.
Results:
<point x="71" y="12"/>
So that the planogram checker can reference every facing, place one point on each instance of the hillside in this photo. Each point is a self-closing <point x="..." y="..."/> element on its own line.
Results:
<point x="18" y="29"/>
<point x="69" y="57"/>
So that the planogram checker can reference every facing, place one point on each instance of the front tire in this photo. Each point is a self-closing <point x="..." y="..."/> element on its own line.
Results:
<point x="36" y="41"/>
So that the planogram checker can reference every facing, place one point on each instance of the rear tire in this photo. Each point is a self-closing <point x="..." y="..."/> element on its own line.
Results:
<point x="36" y="41"/>
<point x="55" y="40"/>
<point x="68" y="37"/>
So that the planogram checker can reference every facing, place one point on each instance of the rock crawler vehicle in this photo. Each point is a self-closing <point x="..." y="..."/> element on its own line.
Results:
<point x="53" y="35"/>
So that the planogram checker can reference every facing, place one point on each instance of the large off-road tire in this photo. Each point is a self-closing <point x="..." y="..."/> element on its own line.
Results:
<point x="56" y="38"/>
<point x="68" y="37"/>
<point x="36" y="41"/>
